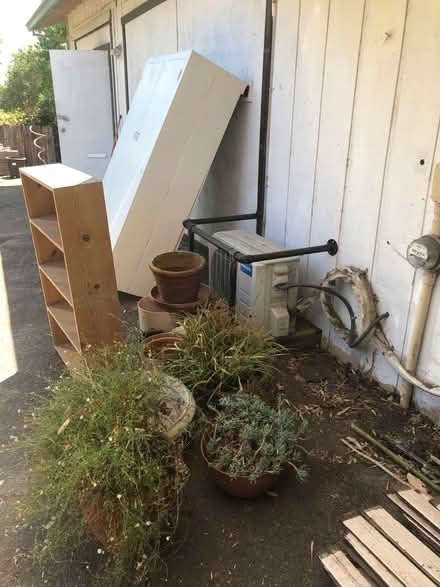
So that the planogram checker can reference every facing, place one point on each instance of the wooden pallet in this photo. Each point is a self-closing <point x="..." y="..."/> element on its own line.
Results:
<point x="381" y="549"/>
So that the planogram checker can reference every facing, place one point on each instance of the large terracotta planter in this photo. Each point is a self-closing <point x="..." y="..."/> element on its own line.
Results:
<point x="241" y="486"/>
<point x="177" y="276"/>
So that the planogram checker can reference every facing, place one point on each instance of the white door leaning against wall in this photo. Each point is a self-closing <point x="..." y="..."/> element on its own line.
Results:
<point x="81" y="83"/>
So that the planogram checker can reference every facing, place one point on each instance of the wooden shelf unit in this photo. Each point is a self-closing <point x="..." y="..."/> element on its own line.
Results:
<point x="69" y="227"/>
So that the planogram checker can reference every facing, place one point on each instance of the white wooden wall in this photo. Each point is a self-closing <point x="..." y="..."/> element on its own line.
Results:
<point x="353" y="139"/>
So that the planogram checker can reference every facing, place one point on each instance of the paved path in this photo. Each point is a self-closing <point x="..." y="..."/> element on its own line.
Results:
<point x="27" y="358"/>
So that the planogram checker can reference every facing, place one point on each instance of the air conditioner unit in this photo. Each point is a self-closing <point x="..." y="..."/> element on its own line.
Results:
<point x="256" y="295"/>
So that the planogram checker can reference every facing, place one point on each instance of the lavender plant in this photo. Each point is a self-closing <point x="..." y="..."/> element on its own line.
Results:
<point x="248" y="438"/>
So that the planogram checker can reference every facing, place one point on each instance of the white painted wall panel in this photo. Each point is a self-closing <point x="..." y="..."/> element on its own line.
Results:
<point x="152" y="33"/>
<point x="406" y="182"/>
<point x="341" y="60"/>
<point x="378" y="205"/>
<point x="285" y="47"/>
<point x="376" y="85"/>
<point x="306" y="119"/>
<point x="231" y="34"/>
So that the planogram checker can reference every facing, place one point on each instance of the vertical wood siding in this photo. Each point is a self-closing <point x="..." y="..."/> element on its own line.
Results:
<point x="355" y="113"/>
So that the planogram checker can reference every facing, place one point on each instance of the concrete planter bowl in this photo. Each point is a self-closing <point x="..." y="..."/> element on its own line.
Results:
<point x="178" y="276"/>
<point x="241" y="486"/>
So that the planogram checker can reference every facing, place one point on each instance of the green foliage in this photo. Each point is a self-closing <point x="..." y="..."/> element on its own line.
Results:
<point x="27" y="94"/>
<point x="249" y="438"/>
<point x="220" y="352"/>
<point x="99" y="462"/>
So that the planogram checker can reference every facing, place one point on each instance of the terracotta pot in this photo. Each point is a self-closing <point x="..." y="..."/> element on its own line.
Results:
<point x="177" y="276"/>
<point x="160" y="342"/>
<point x="203" y="296"/>
<point x="242" y="486"/>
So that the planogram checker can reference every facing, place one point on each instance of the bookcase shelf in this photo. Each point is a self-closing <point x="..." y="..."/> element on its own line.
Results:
<point x="69" y="227"/>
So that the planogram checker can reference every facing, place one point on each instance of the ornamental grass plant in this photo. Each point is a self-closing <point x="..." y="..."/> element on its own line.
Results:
<point x="101" y="468"/>
<point x="220" y="352"/>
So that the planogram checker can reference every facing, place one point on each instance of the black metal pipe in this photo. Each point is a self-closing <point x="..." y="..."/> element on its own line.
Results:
<point x="216" y="219"/>
<point x="264" y="117"/>
<point x="330" y="247"/>
<point x="191" y="240"/>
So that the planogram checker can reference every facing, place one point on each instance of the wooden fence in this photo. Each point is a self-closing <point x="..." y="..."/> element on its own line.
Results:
<point x="21" y="138"/>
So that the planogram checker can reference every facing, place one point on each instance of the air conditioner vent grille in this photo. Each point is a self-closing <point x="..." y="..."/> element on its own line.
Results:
<point x="221" y="263"/>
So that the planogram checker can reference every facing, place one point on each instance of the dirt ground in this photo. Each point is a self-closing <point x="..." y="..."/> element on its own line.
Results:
<point x="273" y="540"/>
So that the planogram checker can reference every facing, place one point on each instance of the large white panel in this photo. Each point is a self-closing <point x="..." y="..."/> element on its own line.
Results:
<point x="152" y="33"/>
<point x="231" y="34"/>
<point x="175" y="124"/>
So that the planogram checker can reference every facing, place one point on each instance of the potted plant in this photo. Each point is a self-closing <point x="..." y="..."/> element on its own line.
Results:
<point x="101" y="466"/>
<point x="249" y="443"/>
<point x="220" y="352"/>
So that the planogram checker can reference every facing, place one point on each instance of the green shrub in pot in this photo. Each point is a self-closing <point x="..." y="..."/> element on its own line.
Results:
<point x="101" y="467"/>
<point x="220" y="352"/>
<point x="248" y="438"/>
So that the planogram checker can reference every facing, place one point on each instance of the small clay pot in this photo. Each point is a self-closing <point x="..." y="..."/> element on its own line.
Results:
<point x="177" y="276"/>
<point x="159" y="342"/>
<point x="241" y="486"/>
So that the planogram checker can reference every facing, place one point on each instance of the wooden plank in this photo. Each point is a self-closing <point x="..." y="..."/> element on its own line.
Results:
<point x="407" y="543"/>
<point x="420" y="521"/>
<point x="44" y="248"/>
<point x="57" y="176"/>
<point x="342" y="571"/>
<point x="422" y="533"/>
<point x="281" y="114"/>
<point x="63" y="314"/>
<point x="422" y="505"/>
<point x="58" y="336"/>
<point x="306" y="120"/>
<point x="48" y="226"/>
<point x="368" y="558"/>
<point x="55" y="271"/>
<point x="88" y="260"/>
<point x="38" y="199"/>
<point x="69" y="355"/>
<point x="387" y="553"/>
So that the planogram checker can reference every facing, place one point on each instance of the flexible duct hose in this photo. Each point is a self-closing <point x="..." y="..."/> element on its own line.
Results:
<point x="40" y="147"/>
<point x="369" y="320"/>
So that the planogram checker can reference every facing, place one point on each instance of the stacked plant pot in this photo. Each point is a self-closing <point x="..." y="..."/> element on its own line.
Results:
<point x="178" y="290"/>
<point x="5" y="154"/>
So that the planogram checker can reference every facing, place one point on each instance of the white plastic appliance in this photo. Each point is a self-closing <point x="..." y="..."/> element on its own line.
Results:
<point x="256" y="295"/>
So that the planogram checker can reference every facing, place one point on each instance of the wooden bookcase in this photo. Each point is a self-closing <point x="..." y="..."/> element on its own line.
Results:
<point x="68" y="221"/>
